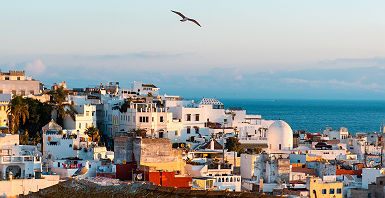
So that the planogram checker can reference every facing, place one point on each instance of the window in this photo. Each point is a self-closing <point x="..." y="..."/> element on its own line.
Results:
<point x="1" y="91"/>
<point x="197" y="117"/>
<point x="86" y="125"/>
<point x="331" y="191"/>
<point x="188" y="117"/>
<point x="196" y="129"/>
<point x="161" y="119"/>
<point x="93" y="113"/>
<point x="87" y="113"/>
<point x="32" y="92"/>
<point x="146" y="118"/>
<point x="188" y="130"/>
<point x="18" y="78"/>
<point x="152" y="119"/>
<point x="80" y="125"/>
<point x="280" y="146"/>
<point x="70" y="145"/>
<point x="23" y="92"/>
<point x="128" y="118"/>
<point x="6" y="78"/>
<point x="176" y="133"/>
<point x="339" y="190"/>
<point x="324" y="191"/>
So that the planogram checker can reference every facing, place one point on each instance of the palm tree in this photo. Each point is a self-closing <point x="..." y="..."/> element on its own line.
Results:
<point x="18" y="112"/>
<point x="92" y="132"/>
<point x="58" y="100"/>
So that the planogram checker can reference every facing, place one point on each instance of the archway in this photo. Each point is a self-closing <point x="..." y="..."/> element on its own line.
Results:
<point x="16" y="171"/>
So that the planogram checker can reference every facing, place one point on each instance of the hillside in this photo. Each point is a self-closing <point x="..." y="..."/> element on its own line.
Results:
<point x="83" y="189"/>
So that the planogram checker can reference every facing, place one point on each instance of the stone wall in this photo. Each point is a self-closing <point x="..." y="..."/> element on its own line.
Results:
<point x="8" y="139"/>
<point x="24" y="186"/>
<point x="155" y="153"/>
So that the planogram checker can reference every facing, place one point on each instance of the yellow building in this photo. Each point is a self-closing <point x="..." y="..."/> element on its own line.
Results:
<point x="202" y="183"/>
<point x="320" y="189"/>
<point x="4" y="101"/>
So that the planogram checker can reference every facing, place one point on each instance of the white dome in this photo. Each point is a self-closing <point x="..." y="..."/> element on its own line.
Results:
<point x="280" y="136"/>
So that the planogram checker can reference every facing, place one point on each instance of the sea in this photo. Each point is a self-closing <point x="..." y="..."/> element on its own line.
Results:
<point x="315" y="115"/>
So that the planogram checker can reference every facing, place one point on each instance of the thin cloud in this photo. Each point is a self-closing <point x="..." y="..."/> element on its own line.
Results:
<point x="36" y="67"/>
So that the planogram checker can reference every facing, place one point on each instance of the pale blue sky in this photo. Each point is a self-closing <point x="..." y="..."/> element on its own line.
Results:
<point x="87" y="42"/>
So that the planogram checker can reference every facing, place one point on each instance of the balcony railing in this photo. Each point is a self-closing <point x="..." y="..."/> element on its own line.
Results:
<point x="19" y="159"/>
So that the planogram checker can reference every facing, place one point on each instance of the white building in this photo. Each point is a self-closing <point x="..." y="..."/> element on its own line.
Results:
<point x="15" y="82"/>
<point x="369" y="175"/>
<point x="23" y="161"/>
<point x="85" y="116"/>
<point x="145" y="89"/>
<point x="253" y="166"/>
<point x="197" y="119"/>
<point x="342" y="134"/>
<point x="280" y="137"/>
<point x="222" y="173"/>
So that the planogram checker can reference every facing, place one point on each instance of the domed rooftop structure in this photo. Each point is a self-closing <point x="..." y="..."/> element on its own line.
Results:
<point x="279" y="136"/>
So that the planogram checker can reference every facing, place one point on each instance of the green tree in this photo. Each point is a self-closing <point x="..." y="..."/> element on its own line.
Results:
<point x="39" y="115"/>
<point x="93" y="133"/>
<point x="125" y="106"/>
<point x="256" y="150"/>
<point x="62" y="107"/>
<point x="24" y="138"/>
<point x="18" y="111"/>
<point x="37" y="139"/>
<point x="232" y="144"/>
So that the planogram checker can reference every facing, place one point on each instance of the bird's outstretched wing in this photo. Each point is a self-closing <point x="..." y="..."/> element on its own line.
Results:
<point x="81" y="171"/>
<point x="196" y="22"/>
<point x="178" y="13"/>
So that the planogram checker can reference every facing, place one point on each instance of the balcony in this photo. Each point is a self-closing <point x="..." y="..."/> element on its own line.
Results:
<point x="18" y="159"/>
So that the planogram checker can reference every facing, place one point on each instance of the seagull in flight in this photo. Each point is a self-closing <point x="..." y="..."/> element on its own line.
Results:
<point x="184" y="18"/>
